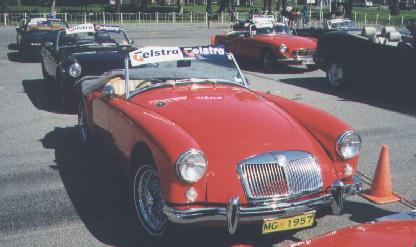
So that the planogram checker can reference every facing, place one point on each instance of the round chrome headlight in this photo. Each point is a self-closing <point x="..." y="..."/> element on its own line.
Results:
<point x="283" y="48"/>
<point x="191" y="165"/>
<point x="74" y="70"/>
<point x="348" y="145"/>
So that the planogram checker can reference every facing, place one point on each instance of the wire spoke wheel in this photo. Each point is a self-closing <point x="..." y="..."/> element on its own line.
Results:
<point x="82" y="123"/>
<point x="336" y="74"/>
<point x="268" y="61"/>
<point x="149" y="201"/>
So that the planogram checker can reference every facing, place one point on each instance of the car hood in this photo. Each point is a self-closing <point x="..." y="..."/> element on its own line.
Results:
<point x="96" y="62"/>
<point x="230" y="124"/>
<point x="295" y="42"/>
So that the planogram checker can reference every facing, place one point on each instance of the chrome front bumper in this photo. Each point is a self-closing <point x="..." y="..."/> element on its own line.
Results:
<point x="235" y="213"/>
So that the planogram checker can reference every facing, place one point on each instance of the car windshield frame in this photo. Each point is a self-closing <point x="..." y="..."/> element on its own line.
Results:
<point x="63" y="25"/>
<point x="93" y="42"/>
<point x="274" y="32"/>
<point x="180" y="81"/>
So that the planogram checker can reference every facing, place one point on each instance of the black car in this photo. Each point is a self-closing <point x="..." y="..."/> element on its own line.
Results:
<point x="330" y="25"/>
<point x="385" y="56"/>
<point x="87" y="49"/>
<point x="32" y="33"/>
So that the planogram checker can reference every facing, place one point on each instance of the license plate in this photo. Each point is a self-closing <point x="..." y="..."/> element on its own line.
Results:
<point x="308" y="61"/>
<point x="295" y="222"/>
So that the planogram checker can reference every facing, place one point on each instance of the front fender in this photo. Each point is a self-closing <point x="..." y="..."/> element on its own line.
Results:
<point x="167" y="141"/>
<point x="325" y="127"/>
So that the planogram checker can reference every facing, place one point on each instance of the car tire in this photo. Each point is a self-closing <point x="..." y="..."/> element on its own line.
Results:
<point x="84" y="132"/>
<point x="336" y="75"/>
<point x="148" y="201"/>
<point x="269" y="61"/>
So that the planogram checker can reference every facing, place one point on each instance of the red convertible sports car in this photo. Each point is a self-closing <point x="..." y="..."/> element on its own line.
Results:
<point x="200" y="147"/>
<point x="273" y="45"/>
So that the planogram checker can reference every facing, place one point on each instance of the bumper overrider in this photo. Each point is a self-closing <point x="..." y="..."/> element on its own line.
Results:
<point x="234" y="213"/>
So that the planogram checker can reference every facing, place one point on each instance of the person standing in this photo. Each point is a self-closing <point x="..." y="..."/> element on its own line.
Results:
<point x="305" y="15"/>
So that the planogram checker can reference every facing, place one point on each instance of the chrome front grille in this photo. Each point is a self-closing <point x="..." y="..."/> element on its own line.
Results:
<point x="277" y="175"/>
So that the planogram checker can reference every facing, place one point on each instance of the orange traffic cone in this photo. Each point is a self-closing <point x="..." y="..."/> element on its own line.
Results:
<point x="381" y="191"/>
<point x="212" y="39"/>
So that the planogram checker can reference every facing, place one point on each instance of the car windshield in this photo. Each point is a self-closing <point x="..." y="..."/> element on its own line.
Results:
<point x="220" y="69"/>
<point x="98" y="38"/>
<point x="342" y="25"/>
<point x="45" y="24"/>
<point x="276" y="30"/>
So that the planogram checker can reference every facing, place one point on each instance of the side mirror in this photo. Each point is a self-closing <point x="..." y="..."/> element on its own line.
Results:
<point x="108" y="91"/>
<point x="48" y="44"/>
<point x="132" y="42"/>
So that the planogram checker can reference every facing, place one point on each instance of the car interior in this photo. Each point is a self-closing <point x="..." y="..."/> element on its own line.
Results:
<point x="388" y="36"/>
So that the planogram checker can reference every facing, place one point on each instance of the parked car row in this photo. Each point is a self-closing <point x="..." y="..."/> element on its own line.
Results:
<point x="196" y="144"/>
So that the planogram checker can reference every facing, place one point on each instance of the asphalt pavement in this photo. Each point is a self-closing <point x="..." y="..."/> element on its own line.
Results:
<point x="55" y="193"/>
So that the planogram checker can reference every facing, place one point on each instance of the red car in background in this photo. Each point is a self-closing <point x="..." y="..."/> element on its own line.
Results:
<point x="273" y="44"/>
<point x="395" y="230"/>
<point x="200" y="147"/>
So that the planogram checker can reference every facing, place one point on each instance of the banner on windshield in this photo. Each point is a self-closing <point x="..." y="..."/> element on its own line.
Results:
<point x="83" y="28"/>
<point x="148" y="55"/>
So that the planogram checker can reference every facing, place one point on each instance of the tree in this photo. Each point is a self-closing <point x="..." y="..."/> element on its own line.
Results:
<point x="52" y="7"/>
<point x="179" y="4"/>
<point x="209" y="6"/>
<point x="348" y="9"/>
<point x="267" y="6"/>
<point x="279" y="5"/>
<point x="118" y="5"/>
<point x="394" y="7"/>
<point x="3" y="5"/>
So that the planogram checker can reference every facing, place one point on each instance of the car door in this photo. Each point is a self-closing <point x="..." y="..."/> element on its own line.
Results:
<point x="51" y="55"/>
<point x="250" y="47"/>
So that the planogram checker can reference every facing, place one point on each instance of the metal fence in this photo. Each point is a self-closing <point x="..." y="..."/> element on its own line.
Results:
<point x="12" y="19"/>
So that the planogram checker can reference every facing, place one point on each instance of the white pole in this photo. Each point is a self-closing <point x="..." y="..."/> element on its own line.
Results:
<point x="5" y="19"/>
<point x="206" y="17"/>
<point x="121" y="17"/>
<point x="157" y="17"/>
<point x="330" y="8"/>
<point x="139" y="17"/>
<point x="222" y="17"/>
<point x="174" y="17"/>
<point x="191" y="17"/>
<point x="320" y="10"/>
<point x="402" y="21"/>
<point x="85" y="17"/>
<point x="104" y="17"/>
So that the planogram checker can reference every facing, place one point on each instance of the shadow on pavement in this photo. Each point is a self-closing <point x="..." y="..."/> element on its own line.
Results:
<point x="44" y="96"/>
<point x="18" y="58"/>
<point x="384" y="95"/>
<point x="100" y="195"/>
<point x="364" y="212"/>
<point x="13" y="47"/>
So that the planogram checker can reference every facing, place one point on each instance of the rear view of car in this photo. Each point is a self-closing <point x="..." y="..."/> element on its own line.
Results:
<point x="33" y="33"/>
